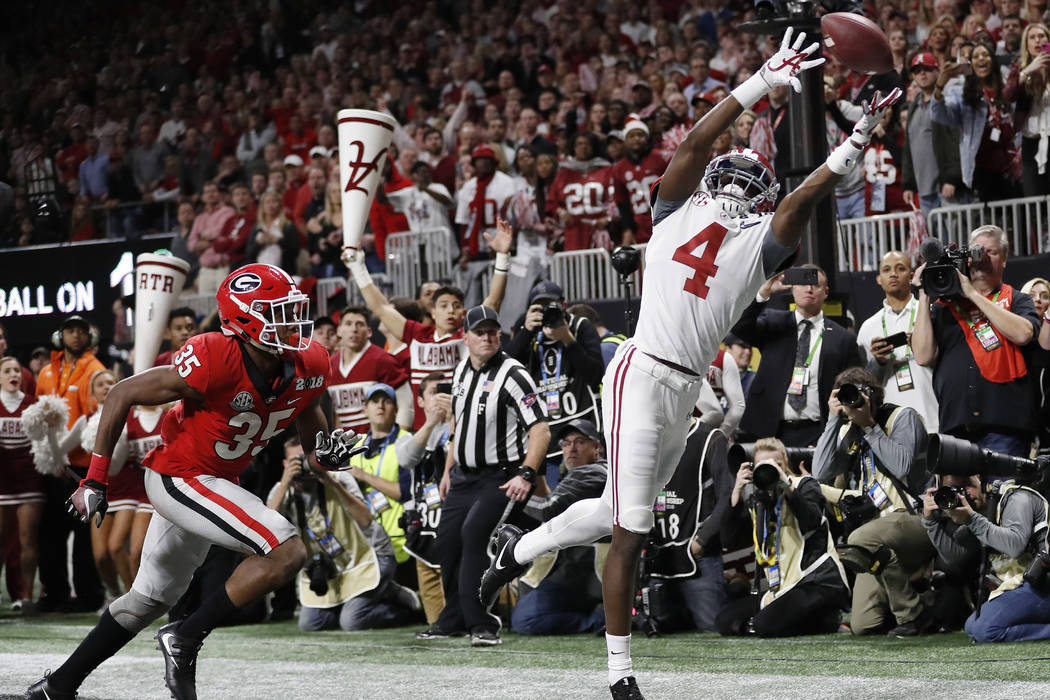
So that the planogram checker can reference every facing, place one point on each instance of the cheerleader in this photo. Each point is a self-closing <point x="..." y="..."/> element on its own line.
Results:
<point x="21" y="486"/>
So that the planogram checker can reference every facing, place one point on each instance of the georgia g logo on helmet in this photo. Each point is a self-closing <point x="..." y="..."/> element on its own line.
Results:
<point x="247" y="282"/>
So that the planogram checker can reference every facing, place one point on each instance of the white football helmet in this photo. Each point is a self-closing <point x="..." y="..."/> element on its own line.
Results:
<point x="741" y="181"/>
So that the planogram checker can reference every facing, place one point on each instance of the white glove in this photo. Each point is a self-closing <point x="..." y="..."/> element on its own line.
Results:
<point x="872" y="116"/>
<point x="354" y="259"/>
<point x="333" y="451"/>
<point x="782" y="68"/>
<point x="844" y="158"/>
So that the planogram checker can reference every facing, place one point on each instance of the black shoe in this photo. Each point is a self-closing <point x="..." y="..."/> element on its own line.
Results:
<point x="503" y="568"/>
<point x="484" y="638"/>
<point x="920" y="625"/>
<point x="41" y="690"/>
<point x="626" y="689"/>
<point x="435" y="632"/>
<point x="180" y="661"/>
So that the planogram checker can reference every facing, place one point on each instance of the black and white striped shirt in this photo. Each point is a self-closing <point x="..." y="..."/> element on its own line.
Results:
<point x="494" y="408"/>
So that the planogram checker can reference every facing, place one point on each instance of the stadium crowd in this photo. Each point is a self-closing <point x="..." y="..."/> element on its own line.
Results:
<point x="216" y="123"/>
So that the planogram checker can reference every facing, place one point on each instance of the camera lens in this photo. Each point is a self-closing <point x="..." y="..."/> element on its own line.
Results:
<point x="765" y="476"/>
<point x="553" y="315"/>
<point x="947" y="497"/>
<point x="849" y="395"/>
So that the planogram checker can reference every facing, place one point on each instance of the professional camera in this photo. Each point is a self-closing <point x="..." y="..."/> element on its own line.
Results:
<point x="939" y="278"/>
<point x="553" y="315"/>
<point x="305" y="474"/>
<point x="950" y="455"/>
<point x="948" y="497"/>
<point x="319" y="570"/>
<point x="853" y="395"/>
<point x="1037" y="575"/>
<point x="744" y="452"/>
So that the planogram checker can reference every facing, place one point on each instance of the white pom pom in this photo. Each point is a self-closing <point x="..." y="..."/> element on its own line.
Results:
<point x="48" y="414"/>
<point x="44" y="459"/>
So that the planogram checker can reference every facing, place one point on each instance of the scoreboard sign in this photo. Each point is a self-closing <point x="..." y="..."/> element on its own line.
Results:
<point x="41" y="285"/>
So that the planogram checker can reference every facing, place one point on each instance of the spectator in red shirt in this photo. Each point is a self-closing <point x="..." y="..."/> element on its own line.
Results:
<point x="299" y="139"/>
<point x="383" y="218"/>
<point x="81" y="222"/>
<point x="231" y="241"/>
<point x="69" y="158"/>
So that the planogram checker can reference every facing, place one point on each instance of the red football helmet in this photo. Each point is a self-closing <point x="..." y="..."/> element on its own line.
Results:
<point x="258" y="302"/>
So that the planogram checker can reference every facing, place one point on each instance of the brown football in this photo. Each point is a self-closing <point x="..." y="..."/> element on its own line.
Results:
<point x="856" y="41"/>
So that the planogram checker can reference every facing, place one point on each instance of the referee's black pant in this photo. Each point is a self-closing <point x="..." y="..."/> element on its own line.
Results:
<point x="470" y="513"/>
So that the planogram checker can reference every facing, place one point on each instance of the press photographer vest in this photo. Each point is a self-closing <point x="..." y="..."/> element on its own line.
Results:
<point x="356" y="561"/>
<point x="872" y="476"/>
<point x="792" y="547"/>
<point x="1010" y="570"/>
<point x="566" y="396"/>
<point x="425" y="505"/>
<point x="386" y="510"/>
<point x="677" y="508"/>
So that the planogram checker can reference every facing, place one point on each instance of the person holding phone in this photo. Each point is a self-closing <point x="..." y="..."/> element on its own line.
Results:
<point x="1027" y="84"/>
<point x="984" y="116"/>
<point x="802" y="352"/>
<point x="884" y="340"/>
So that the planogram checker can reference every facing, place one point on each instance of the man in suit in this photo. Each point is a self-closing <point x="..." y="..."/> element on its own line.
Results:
<point x="802" y="353"/>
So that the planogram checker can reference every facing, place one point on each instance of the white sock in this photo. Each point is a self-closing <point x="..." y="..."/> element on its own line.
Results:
<point x="619" y="657"/>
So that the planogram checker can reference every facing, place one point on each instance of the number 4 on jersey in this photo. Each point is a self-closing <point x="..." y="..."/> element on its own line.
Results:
<point x="704" y="265"/>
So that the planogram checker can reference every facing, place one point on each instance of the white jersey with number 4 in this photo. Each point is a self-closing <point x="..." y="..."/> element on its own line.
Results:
<point x="702" y="269"/>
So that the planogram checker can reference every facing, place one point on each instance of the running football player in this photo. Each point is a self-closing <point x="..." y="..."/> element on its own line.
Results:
<point x="236" y="390"/>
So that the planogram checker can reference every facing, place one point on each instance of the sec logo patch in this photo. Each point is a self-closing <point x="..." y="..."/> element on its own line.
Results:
<point x="248" y="282"/>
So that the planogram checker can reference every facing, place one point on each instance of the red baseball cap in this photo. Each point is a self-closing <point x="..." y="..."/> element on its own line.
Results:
<point x="926" y="59"/>
<point x="483" y="151"/>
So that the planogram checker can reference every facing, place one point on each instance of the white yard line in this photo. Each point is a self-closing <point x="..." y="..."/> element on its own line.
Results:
<point x="141" y="678"/>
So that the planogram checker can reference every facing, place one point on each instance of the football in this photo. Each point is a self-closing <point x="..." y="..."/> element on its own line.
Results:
<point x="857" y="42"/>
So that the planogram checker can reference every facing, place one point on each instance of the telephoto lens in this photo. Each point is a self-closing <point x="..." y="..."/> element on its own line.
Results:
<point x="765" y="476"/>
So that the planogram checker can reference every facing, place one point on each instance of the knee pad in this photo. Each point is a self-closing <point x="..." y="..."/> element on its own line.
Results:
<point x="637" y="520"/>
<point x="134" y="611"/>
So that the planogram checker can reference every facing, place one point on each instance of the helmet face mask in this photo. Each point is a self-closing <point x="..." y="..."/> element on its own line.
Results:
<point x="261" y="305"/>
<point x="742" y="182"/>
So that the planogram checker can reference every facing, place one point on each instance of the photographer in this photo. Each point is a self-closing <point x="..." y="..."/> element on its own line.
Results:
<point x="793" y="547"/>
<point x="563" y="354"/>
<point x="348" y="582"/>
<point x="880" y="451"/>
<point x="1012" y="532"/>
<point x="974" y="343"/>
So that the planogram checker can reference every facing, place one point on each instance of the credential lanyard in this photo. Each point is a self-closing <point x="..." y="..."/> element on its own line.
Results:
<point x="813" y="350"/>
<point x="762" y="557"/>
<point x="966" y="317"/>
<point x="911" y="327"/>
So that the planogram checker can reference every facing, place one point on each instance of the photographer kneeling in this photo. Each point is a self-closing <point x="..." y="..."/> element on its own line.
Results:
<point x="1013" y="530"/>
<point x="793" y="546"/>
<point x="348" y="581"/>
<point x="880" y="451"/>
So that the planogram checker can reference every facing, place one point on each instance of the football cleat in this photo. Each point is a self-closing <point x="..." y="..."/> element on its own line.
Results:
<point x="503" y="568"/>
<point x="180" y="661"/>
<point x="435" y="632"/>
<point x="626" y="689"/>
<point x="42" y="690"/>
<point x="484" y="638"/>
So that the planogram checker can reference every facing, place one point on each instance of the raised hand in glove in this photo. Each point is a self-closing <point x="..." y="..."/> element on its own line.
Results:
<point x="783" y="67"/>
<point x="334" y="450"/>
<point x="88" y="500"/>
<point x="873" y="114"/>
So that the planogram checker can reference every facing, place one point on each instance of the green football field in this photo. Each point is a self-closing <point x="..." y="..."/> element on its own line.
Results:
<point x="277" y="661"/>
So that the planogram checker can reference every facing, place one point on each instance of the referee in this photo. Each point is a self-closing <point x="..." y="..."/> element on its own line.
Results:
<point x="500" y="439"/>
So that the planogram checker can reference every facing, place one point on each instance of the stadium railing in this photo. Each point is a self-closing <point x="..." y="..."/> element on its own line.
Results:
<point x="589" y="274"/>
<point x="414" y="256"/>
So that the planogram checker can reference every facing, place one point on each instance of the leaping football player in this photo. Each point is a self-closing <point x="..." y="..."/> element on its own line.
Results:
<point x="716" y="240"/>
<point x="236" y="390"/>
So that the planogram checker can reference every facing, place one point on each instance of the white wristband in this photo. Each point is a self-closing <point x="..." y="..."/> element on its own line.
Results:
<point x="844" y="158"/>
<point x="751" y="90"/>
<point x="360" y="274"/>
<point x="502" y="262"/>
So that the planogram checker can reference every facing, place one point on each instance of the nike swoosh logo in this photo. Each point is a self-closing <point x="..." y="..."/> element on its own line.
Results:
<point x="616" y="653"/>
<point x="753" y="223"/>
<point x="295" y="399"/>
<point x="166" y="641"/>
<point x="499" y="558"/>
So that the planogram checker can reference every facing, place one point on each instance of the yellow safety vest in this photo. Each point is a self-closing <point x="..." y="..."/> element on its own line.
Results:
<point x="385" y="466"/>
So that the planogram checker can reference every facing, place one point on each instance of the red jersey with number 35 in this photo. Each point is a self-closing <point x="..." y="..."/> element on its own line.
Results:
<point x="631" y="184"/>
<point x="239" y="415"/>
<point x="702" y="269"/>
